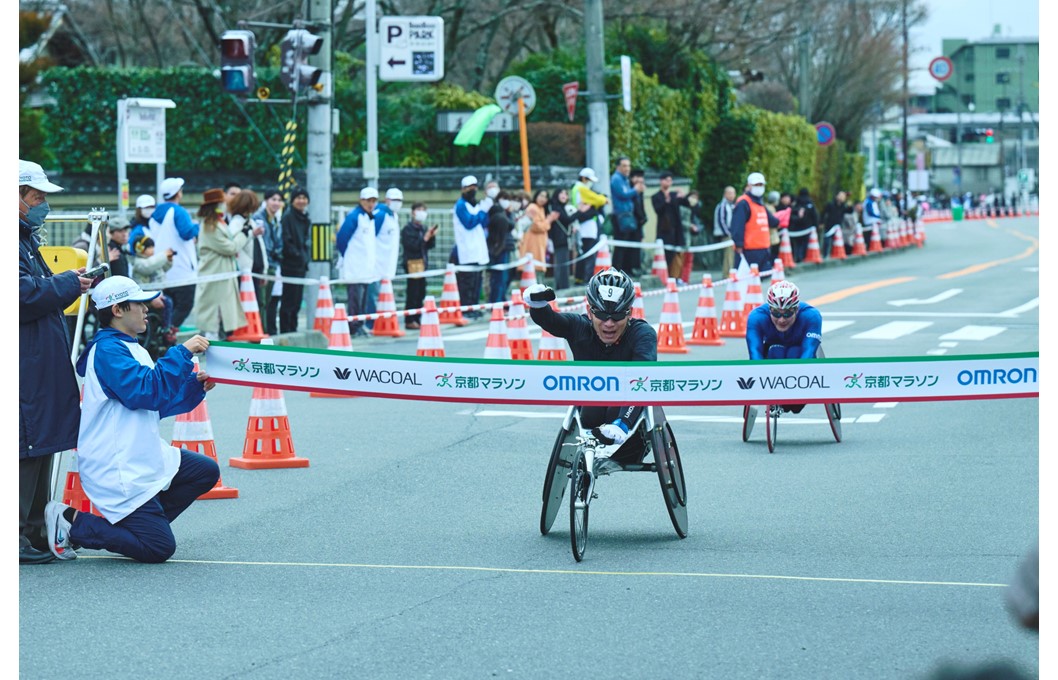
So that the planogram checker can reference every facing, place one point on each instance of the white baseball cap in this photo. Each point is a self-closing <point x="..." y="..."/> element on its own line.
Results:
<point x="589" y="173"/>
<point x="394" y="194"/>
<point x="119" y="289"/>
<point x="145" y="201"/>
<point x="755" y="178"/>
<point x="368" y="193"/>
<point x="31" y="174"/>
<point x="469" y="181"/>
<point x="877" y="193"/>
<point x="171" y="186"/>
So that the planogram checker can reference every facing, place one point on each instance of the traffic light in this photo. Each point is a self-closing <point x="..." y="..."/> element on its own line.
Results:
<point x="295" y="49"/>
<point x="236" y="61"/>
<point x="989" y="138"/>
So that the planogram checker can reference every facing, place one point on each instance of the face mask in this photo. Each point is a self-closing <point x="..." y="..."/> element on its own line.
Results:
<point x="35" y="215"/>
<point x="757" y="191"/>
<point x="420" y="215"/>
<point x="395" y="205"/>
<point x="505" y="204"/>
<point x="471" y="196"/>
<point x="492" y="192"/>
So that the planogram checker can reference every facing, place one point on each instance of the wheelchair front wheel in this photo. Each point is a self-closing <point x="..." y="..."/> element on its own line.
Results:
<point x="834" y="416"/>
<point x="579" y="498"/>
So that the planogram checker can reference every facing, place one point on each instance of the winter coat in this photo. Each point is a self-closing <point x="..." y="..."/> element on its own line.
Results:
<point x="217" y="303"/>
<point x="49" y="409"/>
<point x="534" y="240"/>
<point x="295" y="228"/>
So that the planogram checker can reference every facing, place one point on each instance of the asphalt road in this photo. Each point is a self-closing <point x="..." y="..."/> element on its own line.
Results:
<point x="410" y="547"/>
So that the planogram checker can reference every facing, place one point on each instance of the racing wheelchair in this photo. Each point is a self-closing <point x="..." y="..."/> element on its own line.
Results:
<point x="773" y="411"/>
<point x="575" y="464"/>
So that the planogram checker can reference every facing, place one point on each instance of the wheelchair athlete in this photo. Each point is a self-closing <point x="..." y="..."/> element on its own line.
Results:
<point x="605" y="333"/>
<point x="784" y="328"/>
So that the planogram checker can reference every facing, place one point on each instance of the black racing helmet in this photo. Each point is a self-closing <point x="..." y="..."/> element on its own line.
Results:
<point x="611" y="291"/>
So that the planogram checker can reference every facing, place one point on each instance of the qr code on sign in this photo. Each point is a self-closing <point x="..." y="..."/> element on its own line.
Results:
<point x="423" y="63"/>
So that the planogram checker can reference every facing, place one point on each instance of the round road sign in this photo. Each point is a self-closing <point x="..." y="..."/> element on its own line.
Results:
<point x="510" y="89"/>
<point x="941" y="68"/>
<point x="825" y="133"/>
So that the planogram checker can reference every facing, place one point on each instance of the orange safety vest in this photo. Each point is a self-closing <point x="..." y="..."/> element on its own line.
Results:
<point x="756" y="235"/>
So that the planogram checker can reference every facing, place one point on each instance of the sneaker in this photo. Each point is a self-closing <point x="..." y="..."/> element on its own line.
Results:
<point x="412" y="326"/>
<point x="777" y="411"/>
<point x="58" y="531"/>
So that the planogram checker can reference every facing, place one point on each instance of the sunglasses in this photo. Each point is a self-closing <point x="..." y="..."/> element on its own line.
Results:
<point x="606" y="316"/>
<point x="783" y="315"/>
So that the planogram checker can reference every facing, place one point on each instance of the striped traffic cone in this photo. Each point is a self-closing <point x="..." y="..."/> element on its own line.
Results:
<point x="670" y="329"/>
<point x="754" y="295"/>
<point x="450" y="299"/>
<point x="341" y="341"/>
<point x="732" y="320"/>
<point x="876" y="239"/>
<point x="253" y="331"/>
<point x="637" y="303"/>
<point x="324" y="308"/>
<point x="660" y="269"/>
<point x="269" y="444"/>
<point x="785" y="249"/>
<point x="859" y="247"/>
<point x="388" y="325"/>
<point x="603" y="260"/>
<point x="837" y="246"/>
<point x="497" y="347"/>
<point x="73" y="493"/>
<point x="194" y="431"/>
<point x="552" y="348"/>
<point x="813" y="256"/>
<point x="778" y="272"/>
<point x="920" y="234"/>
<point x="528" y="275"/>
<point x="430" y="342"/>
<point x="517" y="330"/>
<point x="705" y="331"/>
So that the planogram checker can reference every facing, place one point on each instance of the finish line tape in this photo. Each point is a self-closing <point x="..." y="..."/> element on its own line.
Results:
<point x="704" y="383"/>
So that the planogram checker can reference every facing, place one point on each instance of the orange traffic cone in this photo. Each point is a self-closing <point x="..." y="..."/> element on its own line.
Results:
<point x="388" y="325"/>
<point x="194" y="431"/>
<point x="670" y="329"/>
<point x="324" y="308"/>
<point x="603" y="260"/>
<point x="637" y="304"/>
<point x="660" y="268"/>
<point x="73" y="494"/>
<point x="341" y="341"/>
<point x="754" y="295"/>
<point x="778" y="272"/>
<point x="837" y="246"/>
<point x="785" y="249"/>
<point x="891" y="241"/>
<point x="268" y="444"/>
<point x="449" y="299"/>
<point x="732" y="320"/>
<point x="517" y="330"/>
<point x="859" y="247"/>
<point x="551" y="347"/>
<point x="876" y="239"/>
<point x="528" y="275"/>
<point x="705" y="330"/>
<point x="430" y="343"/>
<point x="253" y="331"/>
<point x="497" y="347"/>
<point x="813" y="256"/>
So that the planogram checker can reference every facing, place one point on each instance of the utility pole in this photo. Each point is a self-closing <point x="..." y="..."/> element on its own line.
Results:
<point x="598" y="120"/>
<point x="907" y="94"/>
<point x="371" y="63"/>
<point x="318" y="165"/>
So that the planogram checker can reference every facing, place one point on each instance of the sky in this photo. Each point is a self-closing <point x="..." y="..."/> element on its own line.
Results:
<point x="970" y="19"/>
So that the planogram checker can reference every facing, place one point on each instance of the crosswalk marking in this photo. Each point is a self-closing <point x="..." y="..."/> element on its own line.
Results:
<point x="893" y="330"/>
<point x="936" y="352"/>
<point x="974" y="333"/>
<point x="831" y="326"/>
<point x="870" y="418"/>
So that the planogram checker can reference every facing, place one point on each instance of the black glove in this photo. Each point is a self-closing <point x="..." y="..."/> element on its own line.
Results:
<point x="539" y="295"/>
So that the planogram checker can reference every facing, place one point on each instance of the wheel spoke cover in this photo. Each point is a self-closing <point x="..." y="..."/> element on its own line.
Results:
<point x="556" y="479"/>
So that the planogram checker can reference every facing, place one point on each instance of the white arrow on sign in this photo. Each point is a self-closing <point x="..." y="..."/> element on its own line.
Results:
<point x="940" y="297"/>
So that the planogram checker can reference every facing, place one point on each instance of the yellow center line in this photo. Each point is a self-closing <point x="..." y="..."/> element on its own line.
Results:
<point x="579" y="572"/>
<point x="856" y="290"/>
<point x="973" y="269"/>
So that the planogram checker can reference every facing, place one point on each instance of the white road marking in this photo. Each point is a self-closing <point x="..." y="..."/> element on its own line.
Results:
<point x="936" y="352"/>
<point x="870" y="418"/>
<point x="1031" y="304"/>
<point x="940" y="297"/>
<point x="973" y="333"/>
<point x="887" y="404"/>
<point x="948" y="344"/>
<point x="893" y="330"/>
<point x="831" y="326"/>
